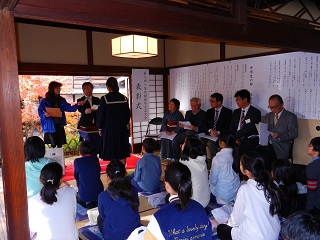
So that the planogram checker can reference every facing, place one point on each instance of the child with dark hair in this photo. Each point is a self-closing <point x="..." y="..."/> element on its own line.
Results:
<point x="224" y="182"/>
<point x="301" y="225"/>
<point x="313" y="175"/>
<point x="52" y="212"/>
<point x="258" y="202"/>
<point x="34" y="151"/>
<point x="118" y="204"/>
<point x="87" y="174"/>
<point x="282" y="173"/>
<point x="193" y="155"/>
<point x="178" y="219"/>
<point x="147" y="174"/>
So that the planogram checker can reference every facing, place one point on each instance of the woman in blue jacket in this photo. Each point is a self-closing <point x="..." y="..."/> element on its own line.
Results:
<point x="53" y="127"/>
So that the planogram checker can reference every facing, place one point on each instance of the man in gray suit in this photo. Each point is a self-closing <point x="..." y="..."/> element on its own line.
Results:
<point x="283" y="126"/>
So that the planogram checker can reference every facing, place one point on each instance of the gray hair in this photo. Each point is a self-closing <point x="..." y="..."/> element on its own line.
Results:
<point x="196" y="99"/>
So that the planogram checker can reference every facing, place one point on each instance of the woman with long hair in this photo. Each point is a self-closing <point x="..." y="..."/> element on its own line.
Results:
<point x="118" y="204"/>
<point x="53" y="125"/>
<point x="258" y="202"/>
<point x="182" y="218"/>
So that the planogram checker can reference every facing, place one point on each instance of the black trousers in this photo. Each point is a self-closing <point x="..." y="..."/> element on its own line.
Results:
<point x="178" y="141"/>
<point x="212" y="145"/>
<point x="247" y="144"/>
<point x="224" y="232"/>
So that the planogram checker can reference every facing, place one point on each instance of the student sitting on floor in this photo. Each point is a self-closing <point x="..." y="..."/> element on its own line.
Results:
<point x="254" y="215"/>
<point x="34" y="151"/>
<point x="118" y="204"/>
<point x="146" y="177"/>
<point x="282" y="173"/>
<point x="182" y="218"/>
<point x="313" y="175"/>
<point x="224" y="182"/>
<point x="194" y="157"/>
<point x="52" y="212"/>
<point x="87" y="174"/>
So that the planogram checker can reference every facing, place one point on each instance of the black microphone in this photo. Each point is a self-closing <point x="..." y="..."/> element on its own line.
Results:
<point x="318" y="128"/>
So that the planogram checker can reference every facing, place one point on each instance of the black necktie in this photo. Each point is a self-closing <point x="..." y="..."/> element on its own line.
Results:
<point x="242" y="119"/>
<point x="215" y="120"/>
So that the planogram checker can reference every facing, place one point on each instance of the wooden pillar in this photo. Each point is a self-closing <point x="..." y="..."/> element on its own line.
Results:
<point x="89" y="47"/>
<point x="239" y="10"/>
<point x="14" y="179"/>
<point x="222" y="51"/>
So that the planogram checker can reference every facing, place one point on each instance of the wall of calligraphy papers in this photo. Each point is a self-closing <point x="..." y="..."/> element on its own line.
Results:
<point x="294" y="76"/>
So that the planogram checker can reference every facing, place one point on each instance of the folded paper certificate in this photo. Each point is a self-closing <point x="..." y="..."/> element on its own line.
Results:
<point x="202" y="135"/>
<point x="54" y="112"/>
<point x="166" y="136"/>
<point x="186" y="124"/>
<point x="94" y="107"/>
<point x="222" y="214"/>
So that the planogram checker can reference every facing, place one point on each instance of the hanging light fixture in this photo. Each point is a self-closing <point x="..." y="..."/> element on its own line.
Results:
<point x="134" y="46"/>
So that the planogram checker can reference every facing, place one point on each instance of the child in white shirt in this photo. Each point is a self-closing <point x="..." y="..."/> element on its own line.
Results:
<point x="258" y="202"/>
<point x="224" y="182"/>
<point x="52" y="212"/>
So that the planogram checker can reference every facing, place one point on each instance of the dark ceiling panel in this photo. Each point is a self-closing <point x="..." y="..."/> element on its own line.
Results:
<point x="172" y="20"/>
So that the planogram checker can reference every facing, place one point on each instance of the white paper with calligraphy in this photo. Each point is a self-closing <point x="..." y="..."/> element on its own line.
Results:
<point x="140" y="95"/>
<point x="294" y="76"/>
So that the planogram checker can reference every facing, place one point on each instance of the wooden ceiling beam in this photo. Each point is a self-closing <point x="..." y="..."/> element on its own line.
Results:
<point x="178" y="22"/>
<point x="8" y="4"/>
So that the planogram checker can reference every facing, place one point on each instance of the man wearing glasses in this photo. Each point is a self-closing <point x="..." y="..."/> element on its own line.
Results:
<point x="217" y="121"/>
<point x="283" y="127"/>
<point x="243" y="125"/>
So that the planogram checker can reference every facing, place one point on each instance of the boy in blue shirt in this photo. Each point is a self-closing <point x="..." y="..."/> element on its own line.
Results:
<point x="146" y="177"/>
<point x="87" y="174"/>
<point x="313" y="175"/>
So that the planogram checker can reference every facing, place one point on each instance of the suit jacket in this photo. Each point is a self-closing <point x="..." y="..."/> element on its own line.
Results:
<point x="249" y="127"/>
<point x="200" y="119"/>
<point x="287" y="127"/>
<point x="86" y="119"/>
<point x="223" y="123"/>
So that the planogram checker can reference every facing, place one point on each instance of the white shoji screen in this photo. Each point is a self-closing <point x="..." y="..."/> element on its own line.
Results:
<point x="155" y="109"/>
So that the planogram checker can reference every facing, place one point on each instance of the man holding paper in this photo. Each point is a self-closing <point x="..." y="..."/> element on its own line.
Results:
<point x="283" y="127"/>
<point x="192" y="125"/>
<point x="217" y="121"/>
<point x="88" y="110"/>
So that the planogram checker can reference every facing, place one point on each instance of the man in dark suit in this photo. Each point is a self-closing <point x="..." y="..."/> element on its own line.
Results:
<point x="283" y="126"/>
<point x="217" y="121"/>
<point x="88" y="112"/>
<point x="195" y="116"/>
<point x="243" y="125"/>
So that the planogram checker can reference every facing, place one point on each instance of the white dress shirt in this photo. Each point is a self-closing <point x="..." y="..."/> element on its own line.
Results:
<point x="250" y="217"/>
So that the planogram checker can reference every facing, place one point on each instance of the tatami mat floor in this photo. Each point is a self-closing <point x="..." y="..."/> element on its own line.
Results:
<point x="145" y="209"/>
